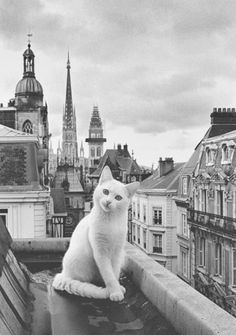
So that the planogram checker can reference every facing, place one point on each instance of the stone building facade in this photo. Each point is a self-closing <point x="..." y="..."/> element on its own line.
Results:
<point x="24" y="200"/>
<point x="207" y="197"/>
<point x="154" y="212"/>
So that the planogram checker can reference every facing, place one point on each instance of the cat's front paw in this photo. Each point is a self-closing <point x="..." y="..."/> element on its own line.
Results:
<point x="116" y="296"/>
<point x="58" y="282"/>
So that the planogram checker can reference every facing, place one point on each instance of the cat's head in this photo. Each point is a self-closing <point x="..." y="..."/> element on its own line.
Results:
<point x="111" y="195"/>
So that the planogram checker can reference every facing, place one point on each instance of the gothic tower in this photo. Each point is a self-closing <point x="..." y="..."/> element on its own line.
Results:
<point x="69" y="153"/>
<point x="95" y="139"/>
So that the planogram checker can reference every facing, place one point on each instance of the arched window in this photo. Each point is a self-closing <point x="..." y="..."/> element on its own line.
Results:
<point x="28" y="127"/>
<point x="92" y="152"/>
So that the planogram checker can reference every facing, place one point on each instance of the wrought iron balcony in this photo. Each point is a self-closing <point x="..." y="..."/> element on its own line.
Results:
<point x="220" y="223"/>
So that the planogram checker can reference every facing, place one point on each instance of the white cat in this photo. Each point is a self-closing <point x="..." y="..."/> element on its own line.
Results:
<point x="95" y="254"/>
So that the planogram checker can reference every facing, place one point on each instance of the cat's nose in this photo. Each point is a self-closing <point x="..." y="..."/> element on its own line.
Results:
<point x="108" y="202"/>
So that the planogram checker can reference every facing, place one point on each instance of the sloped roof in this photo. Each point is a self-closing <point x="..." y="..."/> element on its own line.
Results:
<point x="6" y="131"/>
<point x="58" y="200"/>
<point x="169" y="181"/>
<point x="12" y="135"/>
<point x="122" y="160"/>
<point x="219" y="129"/>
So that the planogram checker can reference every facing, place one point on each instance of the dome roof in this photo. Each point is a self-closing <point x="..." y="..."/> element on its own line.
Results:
<point x="29" y="85"/>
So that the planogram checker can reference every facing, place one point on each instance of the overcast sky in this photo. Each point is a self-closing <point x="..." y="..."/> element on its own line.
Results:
<point x="155" y="68"/>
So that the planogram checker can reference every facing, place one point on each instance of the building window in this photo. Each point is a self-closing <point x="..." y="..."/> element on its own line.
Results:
<point x="67" y="201"/>
<point x="144" y="213"/>
<point x="27" y="127"/>
<point x="202" y="252"/>
<point x="133" y="207"/>
<point x="92" y="152"/>
<point x="211" y="154"/>
<point x="157" y="243"/>
<point x="227" y="152"/>
<point x="157" y="216"/>
<point x="184" y="225"/>
<point x="144" y="238"/>
<point x="184" y="263"/>
<point x="138" y="210"/>
<point x="99" y="152"/>
<point x="218" y="259"/>
<point x="234" y="267"/>
<point x="133" y="231"/>
<point x="219" y="202"/>
<point x="203" y="200"/>
<point x="184" y="185"/>
<point x="138" y="234"/>
<point x="3" y="215"/>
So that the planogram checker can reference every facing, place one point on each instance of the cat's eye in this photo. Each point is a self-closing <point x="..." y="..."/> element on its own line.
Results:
<point x="105" y="191"/>
<point x="118" y="197"/>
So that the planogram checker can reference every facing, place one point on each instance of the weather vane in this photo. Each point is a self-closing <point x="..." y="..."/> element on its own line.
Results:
<point x="29" y="36"/>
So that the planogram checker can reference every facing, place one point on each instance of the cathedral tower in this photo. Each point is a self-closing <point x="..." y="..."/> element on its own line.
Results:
<point x="69" y="153"/>
<point x="95" y="139"/>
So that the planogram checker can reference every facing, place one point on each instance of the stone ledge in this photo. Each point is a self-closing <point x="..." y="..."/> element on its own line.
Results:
<point x="186" y="309"/>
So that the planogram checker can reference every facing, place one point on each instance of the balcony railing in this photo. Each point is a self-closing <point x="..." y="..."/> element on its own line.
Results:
<point x="216" y="222"/>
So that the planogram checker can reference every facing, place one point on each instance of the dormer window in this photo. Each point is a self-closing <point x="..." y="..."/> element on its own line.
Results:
<point x="210" y="154"/>
<point x="227" y="152"/>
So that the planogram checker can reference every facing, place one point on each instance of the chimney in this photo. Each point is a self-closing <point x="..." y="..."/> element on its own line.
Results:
<point x="166" y="165"/>
<point x="126" y="147"/>
<point x="119" y="147"/>
<point x="223" y="116"/>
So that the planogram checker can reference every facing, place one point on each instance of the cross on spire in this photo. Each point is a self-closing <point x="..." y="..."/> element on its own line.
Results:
<point x="29" y="36"/>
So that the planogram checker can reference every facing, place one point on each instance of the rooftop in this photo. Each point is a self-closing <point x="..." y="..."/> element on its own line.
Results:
<point x="156" y="302"/>
<point x="167" y="182"/>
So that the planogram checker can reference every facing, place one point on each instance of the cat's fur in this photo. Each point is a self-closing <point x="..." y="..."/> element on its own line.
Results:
<point x="95" y="254"/>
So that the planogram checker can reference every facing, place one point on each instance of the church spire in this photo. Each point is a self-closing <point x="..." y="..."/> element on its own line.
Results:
<point x="69" y="136"/>
<point x="68" y="120"/>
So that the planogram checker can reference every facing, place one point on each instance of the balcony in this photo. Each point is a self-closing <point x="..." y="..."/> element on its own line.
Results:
<point x="218" y="223"/>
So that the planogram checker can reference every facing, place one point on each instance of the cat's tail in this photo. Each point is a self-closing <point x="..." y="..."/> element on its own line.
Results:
<point x="77" y="287"/>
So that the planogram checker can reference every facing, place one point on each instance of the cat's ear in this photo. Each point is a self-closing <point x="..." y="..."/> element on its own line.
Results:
<point x="132" y="188"/>
<point x="106" y="175"/>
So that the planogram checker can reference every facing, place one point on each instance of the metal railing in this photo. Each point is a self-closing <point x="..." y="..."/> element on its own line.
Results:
<point x="216" y="222"/>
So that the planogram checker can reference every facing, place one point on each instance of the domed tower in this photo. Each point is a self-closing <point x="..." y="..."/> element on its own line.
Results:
<point x="29" y="92"/>
<point x="31" y="113"/>
<point x="95" y="139"/>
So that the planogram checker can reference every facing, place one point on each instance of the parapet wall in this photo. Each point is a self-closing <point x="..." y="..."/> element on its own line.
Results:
<point x="189" y="312"/>
<point x="185" y="308"/>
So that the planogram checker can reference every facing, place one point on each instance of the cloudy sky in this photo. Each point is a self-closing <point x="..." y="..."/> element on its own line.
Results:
<point x="155" y="68"/>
